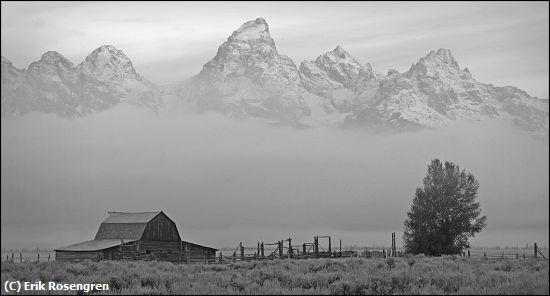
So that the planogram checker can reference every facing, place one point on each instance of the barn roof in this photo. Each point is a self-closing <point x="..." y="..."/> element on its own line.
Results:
<point x="201" y="246"/>
<point x="93" y="245"/>
<point x="124" y="217"/>
<point x="123" y="225"/>
<point x="120" y="231"/>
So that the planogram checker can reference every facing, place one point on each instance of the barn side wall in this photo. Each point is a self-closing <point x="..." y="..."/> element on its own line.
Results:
<point x="143" y="250"/>
<point x="73" y="256"/>
<point x="197" y="250"/>
<point x="161" y="228"/>
<point x="172" y="251"/>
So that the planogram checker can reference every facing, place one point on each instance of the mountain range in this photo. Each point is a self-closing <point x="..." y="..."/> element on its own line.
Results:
<point x="249" y="78"/>
<point x="54" y="85"/>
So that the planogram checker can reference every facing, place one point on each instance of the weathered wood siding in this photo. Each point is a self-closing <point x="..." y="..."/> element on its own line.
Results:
<point x="161" y="228"/>
<point x="73" y="256"/>
<point x="197" y="250"/>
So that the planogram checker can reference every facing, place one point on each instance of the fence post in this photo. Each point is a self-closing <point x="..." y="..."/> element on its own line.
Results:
<point x="20" y="257"/>
<point x="384" y="253"/>
<point x="468" y="253"/>
<point x="535" y="247"/>
<point x="329" y="246"/>
<point x="38" y="260"/>
<point x="262" y="246"/>
<point x="7" y="258"/>
<point x="393" y="248"/>
<point x="242" y="249"/>
<point x="517" y="256"/>
<point x="12" y="257"/>
<point x="49" y="257"/>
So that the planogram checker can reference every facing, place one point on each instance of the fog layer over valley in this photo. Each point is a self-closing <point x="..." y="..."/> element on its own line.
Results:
<point x="224" y="181"/>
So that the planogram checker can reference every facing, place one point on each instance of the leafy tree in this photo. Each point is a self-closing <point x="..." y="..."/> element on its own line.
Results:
<point x="444" y="212"/>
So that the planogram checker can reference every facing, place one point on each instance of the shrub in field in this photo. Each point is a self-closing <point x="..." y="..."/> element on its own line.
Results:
<point x="411" y="261"/>
<point x="390" y="262"/>
<point x="115" y="283"/>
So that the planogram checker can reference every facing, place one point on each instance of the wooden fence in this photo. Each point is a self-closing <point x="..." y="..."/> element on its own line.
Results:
<point x="278" y="250"/>
<point x="19" y="257"/>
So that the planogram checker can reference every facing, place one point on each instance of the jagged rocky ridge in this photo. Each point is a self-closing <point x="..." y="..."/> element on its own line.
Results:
<point x="435" y="91"/>
<point x="248" y="77"/>
<point x="54" y="85"/>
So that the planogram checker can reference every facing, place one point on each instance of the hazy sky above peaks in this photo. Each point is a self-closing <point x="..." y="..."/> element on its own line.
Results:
<point x="501" y="43"/>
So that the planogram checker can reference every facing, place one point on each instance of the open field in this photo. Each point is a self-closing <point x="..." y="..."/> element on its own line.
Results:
<point x="29" y="256"/>
<point x="413" y="275"/>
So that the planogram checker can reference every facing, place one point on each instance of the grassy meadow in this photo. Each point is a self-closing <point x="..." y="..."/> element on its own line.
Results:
<point x="350" y="276"/>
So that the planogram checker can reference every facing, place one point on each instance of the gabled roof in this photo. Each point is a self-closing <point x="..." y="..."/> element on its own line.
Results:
<point x="124" y="217"/>
<point x="121" y="225"/>
<point x="93" y="245"/>
<point x="120" y="231"/>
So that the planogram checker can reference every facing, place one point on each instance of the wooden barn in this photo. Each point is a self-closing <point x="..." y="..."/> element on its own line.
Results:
<point x="137" y="236"/>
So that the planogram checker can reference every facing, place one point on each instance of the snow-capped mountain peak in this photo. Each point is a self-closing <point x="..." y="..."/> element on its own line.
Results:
<point x="332" y="70"/>
<point x="254" y="30"/>
<point x="248" y="76"/>
<point x="53" y="67"/>
<point x="54" y="85"/>
<point x="437" y="63"/>
<point x="106" y="63"/>
<point x="52" y="57"/>
<point x="339" y="55"/>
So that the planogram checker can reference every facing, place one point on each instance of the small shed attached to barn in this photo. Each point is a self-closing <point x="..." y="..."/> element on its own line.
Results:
<point x="136" y="236"/>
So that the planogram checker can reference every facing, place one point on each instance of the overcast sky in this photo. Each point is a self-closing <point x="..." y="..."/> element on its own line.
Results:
<point x="501" y="43"/>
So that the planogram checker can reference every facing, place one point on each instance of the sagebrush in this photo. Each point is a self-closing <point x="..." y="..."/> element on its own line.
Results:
<point x="351" y="276"/>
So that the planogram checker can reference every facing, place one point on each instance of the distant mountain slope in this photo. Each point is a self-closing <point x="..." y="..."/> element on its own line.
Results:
<point x="54" y="85"/>
<point x="340" y="79"/>
<point x="248" y="77"/>
<point x="435" y="91"/>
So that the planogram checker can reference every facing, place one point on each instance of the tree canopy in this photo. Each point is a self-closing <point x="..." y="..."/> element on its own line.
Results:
<point x="444" y="212"/>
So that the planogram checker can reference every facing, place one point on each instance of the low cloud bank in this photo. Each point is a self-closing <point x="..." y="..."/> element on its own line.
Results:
<point x="224" y="181"/>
